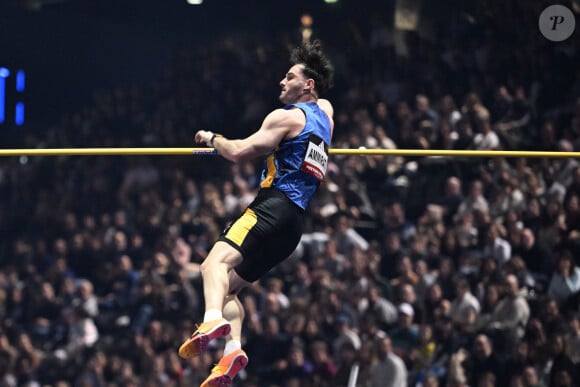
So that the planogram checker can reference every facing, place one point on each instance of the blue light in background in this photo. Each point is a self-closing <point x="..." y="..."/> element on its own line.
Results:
<point x="20" y="81"/>
<point x="20" y="85"/>
<point x="2" y="98"/>
<point x="19" y="114"/>
<point x="4" y="73"/>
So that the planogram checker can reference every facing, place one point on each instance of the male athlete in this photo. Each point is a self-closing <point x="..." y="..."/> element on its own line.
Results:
<point x="295" y="140"/>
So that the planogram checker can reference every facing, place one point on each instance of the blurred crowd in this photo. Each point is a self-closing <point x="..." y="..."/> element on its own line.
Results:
<point x="412" y="271"/>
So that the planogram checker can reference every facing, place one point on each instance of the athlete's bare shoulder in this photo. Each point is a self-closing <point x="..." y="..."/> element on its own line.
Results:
<point x="290" y="119"/>
<point x="326" y="106"/>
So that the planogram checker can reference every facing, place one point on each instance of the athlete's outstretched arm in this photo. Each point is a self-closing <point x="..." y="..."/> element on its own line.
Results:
<point x="274" y="129"/>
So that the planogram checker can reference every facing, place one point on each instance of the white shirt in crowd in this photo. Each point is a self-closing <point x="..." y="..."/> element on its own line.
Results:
<point x="390" y="372"/>
<point x="462" y="307"/>
<point x="561" y="288"/>
<point x="489" y="140"/>
<point x="501" y="251"/>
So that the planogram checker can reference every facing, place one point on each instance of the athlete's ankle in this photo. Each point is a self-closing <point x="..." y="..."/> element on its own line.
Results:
<point x="212" y="314"/>
<point x="232" y="346"/>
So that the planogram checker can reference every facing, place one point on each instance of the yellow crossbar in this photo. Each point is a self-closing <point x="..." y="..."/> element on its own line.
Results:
<point x="337" y="151"/>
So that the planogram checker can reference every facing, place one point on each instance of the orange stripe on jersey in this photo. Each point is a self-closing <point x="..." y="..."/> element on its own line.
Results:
<point x="240" y="229"/>
<point x="271" y="166"/>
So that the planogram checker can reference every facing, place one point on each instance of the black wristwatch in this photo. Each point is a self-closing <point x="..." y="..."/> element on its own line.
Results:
<point x="214" y="135"/>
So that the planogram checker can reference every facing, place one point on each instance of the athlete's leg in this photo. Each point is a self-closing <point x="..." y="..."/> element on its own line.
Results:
<point x="215" y="273"/>
<point x="233" y="310"/>
<point x="234" y="358"/>
<point x="234" y="313"/>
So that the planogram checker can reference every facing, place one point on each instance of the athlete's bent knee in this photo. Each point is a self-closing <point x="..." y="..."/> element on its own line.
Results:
<point x="210" y="264"/>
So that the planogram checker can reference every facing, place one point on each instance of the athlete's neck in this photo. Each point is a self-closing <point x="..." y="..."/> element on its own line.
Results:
<point x="308" y="97"/>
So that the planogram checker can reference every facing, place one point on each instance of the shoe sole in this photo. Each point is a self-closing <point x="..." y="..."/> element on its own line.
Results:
<point x="226" y="380"/>
<point x="198" y="343"/>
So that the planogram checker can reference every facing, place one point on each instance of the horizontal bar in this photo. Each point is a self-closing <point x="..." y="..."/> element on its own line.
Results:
<point x="452" y="153"/>
<point x="107" y="151"/>
<point x="337" y="151"/>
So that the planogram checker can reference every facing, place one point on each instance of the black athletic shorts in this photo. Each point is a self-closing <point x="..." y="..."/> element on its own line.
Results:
<point x="265" y="234"/>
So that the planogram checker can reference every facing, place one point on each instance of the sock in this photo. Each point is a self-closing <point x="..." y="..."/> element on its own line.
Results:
<point x="231" y="346"/>
<point x="212" y="314"/>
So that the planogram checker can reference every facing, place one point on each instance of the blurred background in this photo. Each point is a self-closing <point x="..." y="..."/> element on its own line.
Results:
<point x="100" y="44"/>
<point x="420" y="271"/>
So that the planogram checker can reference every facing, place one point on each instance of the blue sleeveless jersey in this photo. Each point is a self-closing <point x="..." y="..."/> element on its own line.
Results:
<point x="297" y="166"/>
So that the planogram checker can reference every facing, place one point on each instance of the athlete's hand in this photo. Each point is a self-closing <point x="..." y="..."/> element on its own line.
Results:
<point x="204" y="137"/>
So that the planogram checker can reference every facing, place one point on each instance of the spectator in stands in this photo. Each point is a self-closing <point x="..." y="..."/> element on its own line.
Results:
<point x="448" y="112"/>
<point x="424" y="115"/>
<point x="482" y="359"/>
<point x="404" y="336"/>
<point x="82" y="334"/>
<point x="560" y="362"/>
<point x="565" y="281"/>
<point x="551" y="318"/>
<point x="536" y="256"/>
<point x="392" y="252"/>
<point x="381" y="309"/>
<point x="389" y="371"/>
<point x="125" y="224"/>
<point x="86" y="298"/>
<point x="573" y="337"/>
<point x="394" y="221"/>
<point x="531" y="378"/>
<point x="347" y="357"/>
<point x="517" y="360"/>
<point x="510" y="315"/>
<point x="421" y="358"/>
<point x="486" y="138"/>
<point x="8" y="355"/>
<point x="298" y="367"/>
<point x="346" y="236"/>
<point x="345" y="334"/>
<point x="512" y="119"/>
<point x="432" y="302"/>
<point x="465" y="307"/>
<point x="475" y="201"/>
<point x="27" y="362"/>
<point x="324" y="367"/>
<point x="496" y="246"/>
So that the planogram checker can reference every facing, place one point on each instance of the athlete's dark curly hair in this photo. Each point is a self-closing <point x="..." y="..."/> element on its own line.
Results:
<point x="316" y="65"/>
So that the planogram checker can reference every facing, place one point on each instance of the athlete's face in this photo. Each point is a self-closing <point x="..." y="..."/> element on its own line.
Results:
<point x="294" y="85"/>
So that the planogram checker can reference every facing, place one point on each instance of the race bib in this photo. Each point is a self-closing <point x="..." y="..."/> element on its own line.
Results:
<point x="316" y="158"/>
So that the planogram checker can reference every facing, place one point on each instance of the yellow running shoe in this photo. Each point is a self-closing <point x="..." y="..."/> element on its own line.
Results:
<point x="223" y="374"/>
<point x="206" y="332"/>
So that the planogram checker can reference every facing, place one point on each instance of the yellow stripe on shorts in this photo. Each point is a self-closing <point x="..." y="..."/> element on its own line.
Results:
<point x="271" y="172"/>
<point x="240" y="229"/>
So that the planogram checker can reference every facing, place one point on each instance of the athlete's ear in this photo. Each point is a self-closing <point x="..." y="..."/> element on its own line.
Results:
<point x="309" y="85"/>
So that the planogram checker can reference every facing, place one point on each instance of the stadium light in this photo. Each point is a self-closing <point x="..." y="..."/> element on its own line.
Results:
<point x="194" y="2"/>
<point x="306" y="27"/>
<point x="330" y="1"/>
<point x="407" y="14"/>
